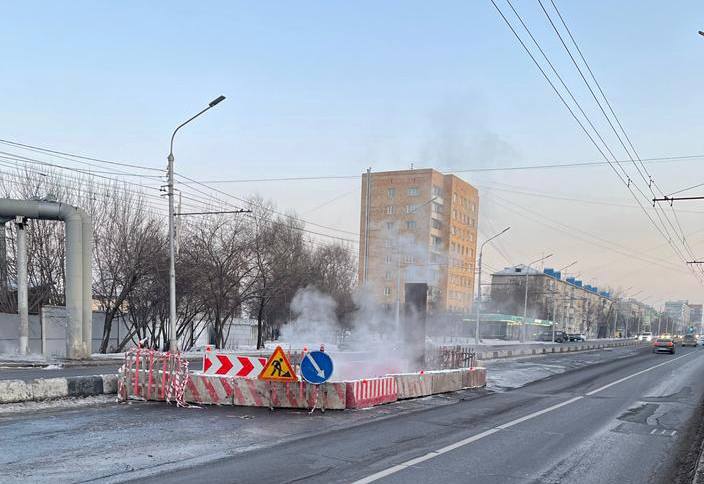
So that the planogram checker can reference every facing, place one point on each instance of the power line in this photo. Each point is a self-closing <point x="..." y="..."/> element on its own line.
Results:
<point x="626" y="181"/>
<point x="82" y="157"/>
<point x="649" y="182"/>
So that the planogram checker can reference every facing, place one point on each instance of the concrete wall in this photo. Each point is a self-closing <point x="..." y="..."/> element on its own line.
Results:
<point x="10" y="333"/>
<point x="243" y="333"/>
<point x="47" y="333"/>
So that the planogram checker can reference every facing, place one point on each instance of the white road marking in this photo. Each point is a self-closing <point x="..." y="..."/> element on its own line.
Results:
<point x="435" y="453"/>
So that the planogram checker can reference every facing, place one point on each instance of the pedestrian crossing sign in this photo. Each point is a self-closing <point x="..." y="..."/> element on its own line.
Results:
<point x="278" y="368"/>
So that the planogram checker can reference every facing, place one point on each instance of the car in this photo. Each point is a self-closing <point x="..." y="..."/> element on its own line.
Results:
<point x="689" y="340"/>
<point x="560" y="337"/>
<point x="700" y="340"/>
<point x="646" y="336"/>
<point x="664" y="345"/>
<point x="577" y="337"/>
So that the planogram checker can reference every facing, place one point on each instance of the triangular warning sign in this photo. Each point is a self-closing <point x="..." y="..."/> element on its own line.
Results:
<point x="278" y="368"/>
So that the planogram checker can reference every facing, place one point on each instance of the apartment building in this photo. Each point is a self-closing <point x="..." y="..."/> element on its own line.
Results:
<point x="419" y="226"/>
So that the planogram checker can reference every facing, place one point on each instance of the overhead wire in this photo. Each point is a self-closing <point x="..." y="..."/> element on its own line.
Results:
<point x="679" y="232"/>
<point x="626" y="181"/>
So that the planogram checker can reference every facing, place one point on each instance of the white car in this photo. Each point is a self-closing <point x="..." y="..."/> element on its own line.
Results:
<point x="646" y="336"/>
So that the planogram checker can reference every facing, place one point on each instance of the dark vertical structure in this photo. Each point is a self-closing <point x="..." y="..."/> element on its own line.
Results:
<point x="415" y="311"/>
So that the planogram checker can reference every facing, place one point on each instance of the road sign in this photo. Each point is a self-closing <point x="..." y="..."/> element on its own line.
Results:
<point x="232" y="365"/>
<point x="316" y="367"/>
<point x="278" y="368"/>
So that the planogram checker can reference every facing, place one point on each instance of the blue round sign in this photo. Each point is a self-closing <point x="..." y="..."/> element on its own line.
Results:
<point x="316" y="367"/>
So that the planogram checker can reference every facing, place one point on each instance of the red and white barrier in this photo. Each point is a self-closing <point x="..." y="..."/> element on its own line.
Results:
<point x="152" y="375"/>
<point x="474" y="378"/>
<point x="413" y="385"/>
<point x="370" y="392"/>
<point x="224" y="364"/>
<point x="260" y="393"/>
<point x="211" y="390"/>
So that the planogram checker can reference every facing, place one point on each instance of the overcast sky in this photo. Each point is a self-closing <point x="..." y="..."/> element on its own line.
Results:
<point x="329" y="88"/>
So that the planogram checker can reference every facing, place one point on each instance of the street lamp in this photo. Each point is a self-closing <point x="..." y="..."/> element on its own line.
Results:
<point x="479" y="283"/>
<point x="525" y="299"/>
<point x="173" y="346"/>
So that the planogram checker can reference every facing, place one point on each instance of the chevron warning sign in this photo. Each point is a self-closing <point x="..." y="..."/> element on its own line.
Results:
<point x="278" y="368"/>
<point x="231" y="365"/>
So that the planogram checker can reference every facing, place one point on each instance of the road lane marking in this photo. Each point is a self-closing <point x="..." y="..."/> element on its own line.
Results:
<point x="461" y="443"/>
<point x="600" y="389"/>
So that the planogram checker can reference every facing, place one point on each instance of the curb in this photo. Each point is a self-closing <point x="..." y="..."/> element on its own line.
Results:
<point x="15" y="391"/>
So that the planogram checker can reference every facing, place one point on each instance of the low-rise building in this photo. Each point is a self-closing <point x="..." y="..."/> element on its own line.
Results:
<point x="573" y="305"/>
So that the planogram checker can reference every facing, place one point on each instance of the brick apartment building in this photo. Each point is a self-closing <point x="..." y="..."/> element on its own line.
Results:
<point x="422" y="227"/>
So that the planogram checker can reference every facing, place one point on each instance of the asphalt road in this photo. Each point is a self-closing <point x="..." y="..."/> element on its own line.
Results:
<point x="634" y="430"/>
<point x="623" y="421"/>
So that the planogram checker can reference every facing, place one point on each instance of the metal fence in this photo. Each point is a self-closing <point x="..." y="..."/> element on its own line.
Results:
<point x="450" y="357"/>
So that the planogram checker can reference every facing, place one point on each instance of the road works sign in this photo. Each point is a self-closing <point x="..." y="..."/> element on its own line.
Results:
<point x="231" y="365"/>
<point x="278" y="368"/>
<point x="316" y="367"/>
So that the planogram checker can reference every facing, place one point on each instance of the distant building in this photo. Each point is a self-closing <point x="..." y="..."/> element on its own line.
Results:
<point x="679" y="313"/>
<point x="573" y="305"/>
<point x="695" y="315"/>
<point x="422" y="227"/>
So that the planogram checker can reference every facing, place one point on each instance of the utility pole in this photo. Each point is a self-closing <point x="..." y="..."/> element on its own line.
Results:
<point x="367" y="209"/>
<point x="479" y="284"/>
<point x="173" y="339"/>
<point x="525" y="299"/>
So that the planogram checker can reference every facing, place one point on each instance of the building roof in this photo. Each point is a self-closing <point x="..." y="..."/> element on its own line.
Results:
<point x="517" y="270"/>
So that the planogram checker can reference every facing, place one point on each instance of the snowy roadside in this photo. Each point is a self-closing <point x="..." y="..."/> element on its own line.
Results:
<point x="507" y="374"/>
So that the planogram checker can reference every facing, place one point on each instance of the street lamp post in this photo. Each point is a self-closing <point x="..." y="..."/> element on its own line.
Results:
<point x="173" y="345"/>
<point x="525" y="299"/>
<point x="479" y="283"/>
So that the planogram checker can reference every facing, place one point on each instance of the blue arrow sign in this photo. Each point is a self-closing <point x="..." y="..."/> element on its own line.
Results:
<point x="316" y="367"/>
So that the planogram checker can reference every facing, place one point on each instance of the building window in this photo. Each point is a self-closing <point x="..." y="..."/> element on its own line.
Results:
<point x="387" y="259"/>
<point x="437" y="191"/>
<point x="409" y="259"/>
<point x="388" y="243"/>
<point x="391" y="192"/>
<point x="389" y="225"/>
<point x="437" y="241"/>
<point x="389" y="275"/>
<point x="387" y="291"/>
<point x="436" y="224"/>
<point x="389" y="210"/>
<point x="437" y="208"/>
<point x="412" y="191"/>
<point x="410" y="224"/>
<point x="411" y="208"/>
<point x="454" y="198"/>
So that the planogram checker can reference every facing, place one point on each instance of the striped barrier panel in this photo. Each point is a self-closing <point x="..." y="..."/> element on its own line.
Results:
<point x="209" y="389"/>
<point x="372" y="391"/>
<point x="272" y="394"/>
<point x="444" y="381"/>
<point x="474" y="378"/>
<point x="413" y="385"/>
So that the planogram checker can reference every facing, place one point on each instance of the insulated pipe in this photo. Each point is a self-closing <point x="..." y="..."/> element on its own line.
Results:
<point x="78" y="300"/>
<point x="87" y="288"/>
<point x="22" y="297"/>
